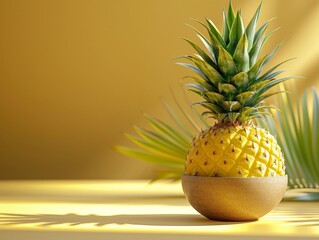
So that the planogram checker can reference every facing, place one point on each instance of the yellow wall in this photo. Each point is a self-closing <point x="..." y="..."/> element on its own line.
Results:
<point x="77" y="74"/>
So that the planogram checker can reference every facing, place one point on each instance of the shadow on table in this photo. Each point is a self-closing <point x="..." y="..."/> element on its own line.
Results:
<point x="305" y="215"/>
<point x="176" y="200"/>
<point x="143" y="219"/>
<point x="310" y="219"/>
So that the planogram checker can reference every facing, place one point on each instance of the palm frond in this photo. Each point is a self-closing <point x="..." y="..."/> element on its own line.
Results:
<point x="297" y="132"/>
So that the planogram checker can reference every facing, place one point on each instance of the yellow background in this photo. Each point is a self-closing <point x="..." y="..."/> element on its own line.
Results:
<point x="77" y="74"/>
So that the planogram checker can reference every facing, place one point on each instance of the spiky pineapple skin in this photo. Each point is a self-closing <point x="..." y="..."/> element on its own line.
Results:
<point x="235" y="151"/>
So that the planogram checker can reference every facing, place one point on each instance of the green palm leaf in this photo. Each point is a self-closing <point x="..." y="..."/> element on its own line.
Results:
<point x="297" y="133"/>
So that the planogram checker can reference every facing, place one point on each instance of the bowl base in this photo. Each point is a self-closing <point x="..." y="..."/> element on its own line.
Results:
<point x="233" y="198"/>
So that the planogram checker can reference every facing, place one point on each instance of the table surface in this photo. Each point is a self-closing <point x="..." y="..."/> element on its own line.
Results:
<point x="133" y="210"/>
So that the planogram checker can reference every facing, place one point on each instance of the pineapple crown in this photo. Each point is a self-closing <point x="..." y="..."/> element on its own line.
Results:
<point x="230" y="80"/>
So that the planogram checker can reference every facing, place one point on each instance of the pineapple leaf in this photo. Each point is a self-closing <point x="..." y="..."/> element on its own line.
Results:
<point x="272" y="53"/>
<point x="266" y="107"/>
<point x="227" y="88"/>
<point x="226" y="63"/>
<point x="205" y="57"/>
<point x="256" y="86"/>
<point x="210" y="106"/>
<point x="196" y="86"/>
<point x="274" y="74"/>
<point x="199" y="93"/>
<point x="260" y="114"/>
<point x="214" y="41"/>
<point x="233" y="116"/>
<point x="204" y="41"/>
<point x="241" y="56"/>
<point x="245" y="97"/>
<point x="230" y="106"/>
<point x="210" y="113"/>
<point x="240" y="80"/>
<point x="256" y="48"/>
<point x="230" y="14"/>
<point x="261" y="29"/>
<point x="203" y="83"/>
<point x="214" y="97"/>
<point x="246" y="111"/>
<point x="256" y="68"/>
<point x="270" y="71"/>
<point x="251" y="28"/>
<point x="269" y="34"/>
<point x="225" y="28"/>
<point x="215" y="32"/>
<point x="271" y="84"/>
<point x="194" y="69"/>
<point x="236" y="31"/>
<point x="265" y="96"/>
<point x="209" y="72"/>
<point x="209" y="48"/>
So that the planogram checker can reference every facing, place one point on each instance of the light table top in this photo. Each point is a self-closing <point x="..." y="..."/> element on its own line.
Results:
<point x="133" y="210"/>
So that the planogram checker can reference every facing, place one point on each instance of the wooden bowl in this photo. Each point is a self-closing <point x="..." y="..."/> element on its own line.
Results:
<point x="234" y="198"/>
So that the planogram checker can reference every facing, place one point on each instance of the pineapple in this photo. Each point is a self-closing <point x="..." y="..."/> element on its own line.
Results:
<point x="233" y="86"/>
<point x="235" y="150"/>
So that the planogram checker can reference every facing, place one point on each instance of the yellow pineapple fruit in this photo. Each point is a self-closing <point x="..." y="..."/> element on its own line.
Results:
<point x="235" y="151"/>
